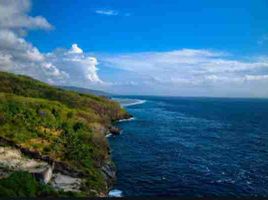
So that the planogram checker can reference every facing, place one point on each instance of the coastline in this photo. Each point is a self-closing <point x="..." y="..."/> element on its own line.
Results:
<point x="109" y="168"/>
<point x="63" y="130"/>
<point x="117" y="131"/>
<point x="59" y="171"/>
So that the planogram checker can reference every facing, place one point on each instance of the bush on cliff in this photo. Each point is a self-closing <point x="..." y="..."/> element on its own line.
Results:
<point x="22" y="184"/>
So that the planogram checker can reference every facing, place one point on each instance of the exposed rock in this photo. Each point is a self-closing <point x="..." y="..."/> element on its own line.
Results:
<point x="12" y="160"/>
<point x="127" y="116"/>
<point x="114" y="130"/>
<point x="123" y="116"/>
<point x="66" y="183"/>
<point x="66" y="178"/>
<point x="44" y="175"/>
<point x="109" y="172"/>
<point x="59" y="166"/>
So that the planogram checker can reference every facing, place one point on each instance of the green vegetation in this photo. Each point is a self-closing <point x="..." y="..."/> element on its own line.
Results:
<point x="23" y="184"/>
<point x="64" y="125"/>
<point x="28" y="87"/>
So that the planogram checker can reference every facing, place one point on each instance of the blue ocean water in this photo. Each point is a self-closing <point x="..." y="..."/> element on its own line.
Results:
<point x="193" y="147"/>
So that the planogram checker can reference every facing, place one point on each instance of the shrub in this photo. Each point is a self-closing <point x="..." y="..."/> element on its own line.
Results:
<point x="23" y="184"/>
<point x="19" y="184"/>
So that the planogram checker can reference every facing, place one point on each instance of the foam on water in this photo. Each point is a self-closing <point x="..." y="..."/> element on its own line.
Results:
<point x="125" y="120"/>
<point x="115" y="193"/>
<point x="124" y="102"/>
<point x="138" y="101"/>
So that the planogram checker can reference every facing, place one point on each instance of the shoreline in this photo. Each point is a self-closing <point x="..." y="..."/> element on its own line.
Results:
<point x="111" y="171"/>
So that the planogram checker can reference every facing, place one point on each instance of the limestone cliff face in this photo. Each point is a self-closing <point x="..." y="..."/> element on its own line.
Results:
<point x="11" y="160"/>
<point x="45" y="175"/>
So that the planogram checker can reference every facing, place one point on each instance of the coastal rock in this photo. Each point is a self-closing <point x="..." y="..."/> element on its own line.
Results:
<point x="114" y="130"/>
<point x="127" y="116"/>
<point x="109" y="172"/>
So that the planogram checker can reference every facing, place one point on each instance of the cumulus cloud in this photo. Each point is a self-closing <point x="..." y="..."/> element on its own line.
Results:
<point x="13" y="15"/>
<point x="82" y="69"/>
<point x="62" y="66"/>
<point x="19" y="56"/>
<point x="75" y="49"/>
<point x="196" y="70"/>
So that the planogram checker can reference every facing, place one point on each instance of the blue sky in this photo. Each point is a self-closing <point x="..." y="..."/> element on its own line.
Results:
<point x="153" y="25"/>
<point x="151" y="47"/>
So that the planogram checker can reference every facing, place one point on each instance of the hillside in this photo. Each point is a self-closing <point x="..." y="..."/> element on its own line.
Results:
<point x="87" y="91"/>
<point x="60" y="127"/>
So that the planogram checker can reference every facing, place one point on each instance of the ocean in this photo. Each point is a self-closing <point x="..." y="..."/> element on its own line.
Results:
<point x="194" y="147"/>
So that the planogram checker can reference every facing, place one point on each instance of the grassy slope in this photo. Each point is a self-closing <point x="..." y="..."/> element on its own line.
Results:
<point x="64" y="125"/>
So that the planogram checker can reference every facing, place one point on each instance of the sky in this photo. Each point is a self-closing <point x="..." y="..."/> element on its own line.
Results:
<point x="140" y="47"/>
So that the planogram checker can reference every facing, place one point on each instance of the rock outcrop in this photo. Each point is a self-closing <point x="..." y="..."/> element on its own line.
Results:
<point x="109" y="172"/>
<point x="114" y="130"/>
<point x="12" y="160"/>
<point x="66" y="183"/>
<point x="44" y="175"/>
<point x="58" y="165"/>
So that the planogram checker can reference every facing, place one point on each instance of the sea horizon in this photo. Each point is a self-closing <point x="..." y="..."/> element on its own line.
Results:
<point x="177" y="96"/>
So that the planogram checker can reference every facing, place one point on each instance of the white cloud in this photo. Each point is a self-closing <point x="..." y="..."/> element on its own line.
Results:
<point x="13" y="15"/>
<point x="17" y="55"/>
<point x="196" y="70"/>
<point x="107" y="12"/>
<point x="76" y="49"/>
<point x="185" y="60"/>
<point x="256" y="77"/>
<point x="82" y="69"/>
<point x="64" y="66"/>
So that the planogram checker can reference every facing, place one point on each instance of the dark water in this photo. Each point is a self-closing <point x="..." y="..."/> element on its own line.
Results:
<point x="193" y="147"/>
